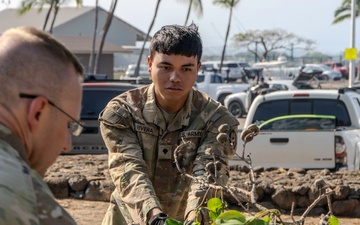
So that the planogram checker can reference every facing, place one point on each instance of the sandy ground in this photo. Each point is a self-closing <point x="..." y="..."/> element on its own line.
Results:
<point x="92" y="212"/>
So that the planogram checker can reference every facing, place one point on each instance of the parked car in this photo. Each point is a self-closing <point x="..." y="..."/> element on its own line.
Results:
<point x="338" y="66"/>
<point x="95" y="97"/>
<point x="327" y="72"/>
<point x="251" y="72"/>
<point x="311" y="148"/>
<point x="143" y="71"/>
<point x="93" y="76"/>
<point x="239" y="103"/>
<point x="230" y="70"/>
<point x="213" y="84"/>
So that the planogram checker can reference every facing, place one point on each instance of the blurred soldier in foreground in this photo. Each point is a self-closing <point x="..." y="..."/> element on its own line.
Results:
<point x="40" y="95"/>
<point x="142" y="128"/>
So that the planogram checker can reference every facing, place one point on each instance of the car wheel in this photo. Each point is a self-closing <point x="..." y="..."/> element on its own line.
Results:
<point x="236" y="109"/>
<point x="325" y="77"/>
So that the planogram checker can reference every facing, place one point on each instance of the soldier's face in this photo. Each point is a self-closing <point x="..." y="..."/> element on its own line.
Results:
<point x="173" y="77"/>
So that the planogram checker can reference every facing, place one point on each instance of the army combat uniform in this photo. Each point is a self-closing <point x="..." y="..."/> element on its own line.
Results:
<point x="141" y="147"/>
<point x="24" y="197"/>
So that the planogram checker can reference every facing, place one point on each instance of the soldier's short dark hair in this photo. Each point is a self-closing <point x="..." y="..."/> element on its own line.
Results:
<point x="177" y="40"/>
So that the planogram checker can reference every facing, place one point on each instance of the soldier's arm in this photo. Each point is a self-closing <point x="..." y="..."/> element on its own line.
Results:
<point x="127" y="167"/>
<point x="222" y="154"/>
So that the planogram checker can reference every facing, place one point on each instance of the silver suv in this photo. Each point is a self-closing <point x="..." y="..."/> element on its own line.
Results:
<point x="230" y="70"/>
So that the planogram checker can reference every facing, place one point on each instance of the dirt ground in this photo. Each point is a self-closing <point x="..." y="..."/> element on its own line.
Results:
<point x="92" y="212"/>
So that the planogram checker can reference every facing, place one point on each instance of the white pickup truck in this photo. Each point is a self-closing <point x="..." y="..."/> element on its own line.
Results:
<point x="213" y="84"/>
<point x="310" y="145"/>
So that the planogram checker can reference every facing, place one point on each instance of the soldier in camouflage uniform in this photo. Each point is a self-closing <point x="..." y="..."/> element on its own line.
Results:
<point x="142" y="128"/>
<point x="40" y="94"/>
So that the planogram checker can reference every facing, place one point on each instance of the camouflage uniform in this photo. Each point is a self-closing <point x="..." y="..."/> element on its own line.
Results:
<point x="141" y="147"/>
<point x="24" y="197"/>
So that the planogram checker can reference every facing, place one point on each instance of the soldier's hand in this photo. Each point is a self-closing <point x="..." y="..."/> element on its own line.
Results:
<point x="158" y="219"/>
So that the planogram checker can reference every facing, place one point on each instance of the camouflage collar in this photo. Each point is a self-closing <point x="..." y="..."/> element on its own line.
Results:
<point x="14" y="141"/>
<point x="152" y="113"/>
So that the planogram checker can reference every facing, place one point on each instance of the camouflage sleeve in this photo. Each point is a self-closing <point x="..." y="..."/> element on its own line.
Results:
<point x="16" y="208"/>
<point x="127" y="167"/>
<point x="24" y="196"/>
<point x="222" y="153"/>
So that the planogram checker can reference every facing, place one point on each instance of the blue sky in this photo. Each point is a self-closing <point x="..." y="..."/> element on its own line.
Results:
<point x="307" y="18"/>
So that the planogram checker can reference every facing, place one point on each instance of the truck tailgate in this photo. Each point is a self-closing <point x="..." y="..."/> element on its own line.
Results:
<point x="292" y="149"/>
<point x="294" y="141"/>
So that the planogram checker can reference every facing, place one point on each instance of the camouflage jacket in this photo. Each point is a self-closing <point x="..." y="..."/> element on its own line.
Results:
<point x="24" y="196"/>
<point x="141" y="146"/>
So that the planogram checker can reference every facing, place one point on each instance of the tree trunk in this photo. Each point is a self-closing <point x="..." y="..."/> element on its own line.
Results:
<point x="48" y="14"/>
<point x="92" y="55"/>
<point x="105" y="30"/>
<point x="227" y="35"/>
<point x="137" y="69"/>
<point x="56" y="10"/>
<point x="188" y="12"/>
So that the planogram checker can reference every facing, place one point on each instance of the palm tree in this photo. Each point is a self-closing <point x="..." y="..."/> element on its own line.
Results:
<point x="228" y="4"/>
<point x="104" y="31"/>
<point x="196" y="5"/>
<point x="344" y="11"/>
<point x="147" y="36"/>
<point x="92" y="55"/>
<point x="48" y="14"/>
<point x="27" y="5"/>
<point x="56" y="8"/>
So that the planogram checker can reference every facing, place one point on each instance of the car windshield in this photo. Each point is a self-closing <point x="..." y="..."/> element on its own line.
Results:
<point x="229" y="65"/>
<point x="271" y="109"/>
<point x="200" y="79"/>
<point x="207" y="67"/>
<point x="142" y="68"/>
<point x="244" y="64"/>
<point x="95" y="101"/>
<point x="326" y="67"/>
<point x="338" y="64"/>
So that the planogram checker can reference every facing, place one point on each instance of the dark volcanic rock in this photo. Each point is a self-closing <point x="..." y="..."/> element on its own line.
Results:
<point x="58" y="186"/>
<point x="78" y="182"/>
<point x="87" y="177"/>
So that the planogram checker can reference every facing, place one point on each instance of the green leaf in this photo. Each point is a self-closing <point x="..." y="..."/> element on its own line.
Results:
<point x="170" y="221"/>
<point x="232" y="214"/>
<point x="213" y="215"/>
<point x="333" y="220"/>
<point x="214" y="204"/>
<point x="267" y="219"/>
<point x="228" y="222"/>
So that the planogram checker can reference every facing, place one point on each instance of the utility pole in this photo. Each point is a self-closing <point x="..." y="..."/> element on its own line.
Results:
<point x="352" y="43"/>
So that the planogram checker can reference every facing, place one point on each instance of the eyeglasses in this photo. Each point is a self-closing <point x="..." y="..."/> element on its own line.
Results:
<point x="75" y="127"/>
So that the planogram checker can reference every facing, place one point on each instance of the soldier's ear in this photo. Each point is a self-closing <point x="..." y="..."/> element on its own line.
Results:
<point x="149" y="65"/>
<point x="198" y="66"/>
<point x="36" y="112"/>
